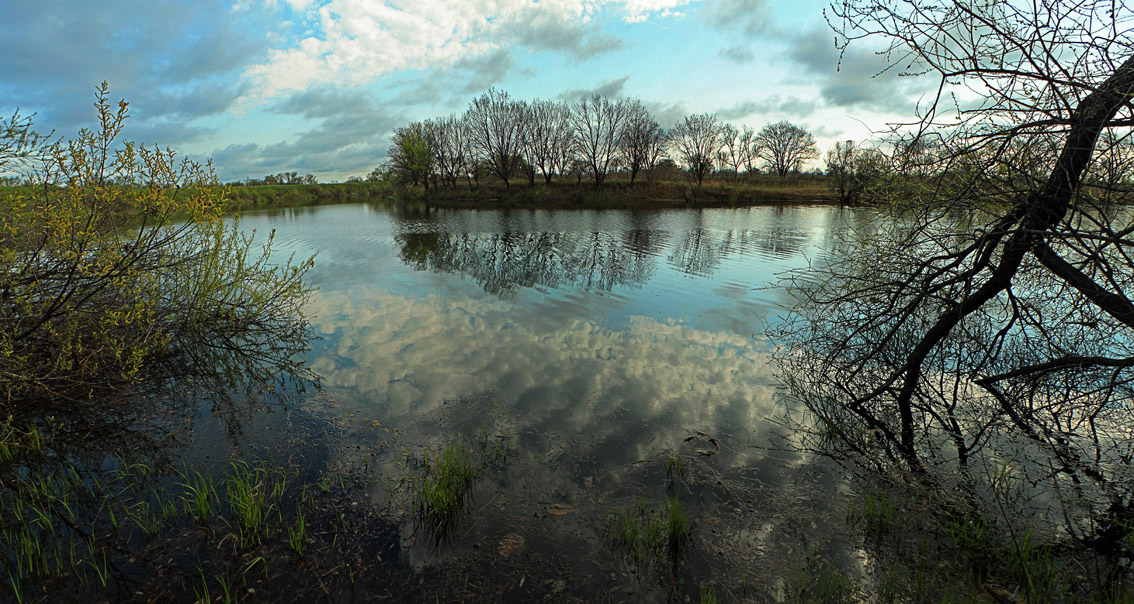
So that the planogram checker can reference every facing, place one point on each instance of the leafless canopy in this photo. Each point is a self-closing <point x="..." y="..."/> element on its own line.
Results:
<point x="547" y="136"/>
<point x="495" y="124"/>
<point x="451" y="147"/>
<point x="642" y="141"/>
<point x="696" y="141"/>
<point x="739" y="147"/>
<point x="996" y="310"/>
<point x="784" y="147"/>
<point x="598" y="125"/>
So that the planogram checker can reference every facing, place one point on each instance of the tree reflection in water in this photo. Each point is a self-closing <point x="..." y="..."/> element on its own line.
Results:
<point x="506" y="262"/>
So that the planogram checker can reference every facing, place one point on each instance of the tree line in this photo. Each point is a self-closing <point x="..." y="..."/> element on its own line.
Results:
<point x="509" y="139"/>
<point x="281" y="178"/>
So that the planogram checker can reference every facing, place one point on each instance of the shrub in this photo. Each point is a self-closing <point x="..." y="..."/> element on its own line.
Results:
<point x="116" y="262"/>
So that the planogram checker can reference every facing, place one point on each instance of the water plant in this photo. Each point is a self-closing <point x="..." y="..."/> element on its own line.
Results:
<point x="199" y="495"/>
<point x="444" y="483"/>
<point x="674" y="468"/>
<point x="297" y="535"/>
<point x="251" y="490"/>
<point x="969" y="533"/>
<point x="644" y="533"/>
<point x="677" y="524"/>
<point x="708" y="594"/>
<point x="875" y="513"/>
<point x="1031" y="564"/>
<point x="828" y="586"/>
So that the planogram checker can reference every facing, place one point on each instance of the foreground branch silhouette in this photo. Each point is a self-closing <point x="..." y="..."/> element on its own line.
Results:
<point x="989" y="316"/>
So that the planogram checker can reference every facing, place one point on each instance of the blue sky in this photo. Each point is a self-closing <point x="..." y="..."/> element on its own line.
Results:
<point x="317" y="86"/>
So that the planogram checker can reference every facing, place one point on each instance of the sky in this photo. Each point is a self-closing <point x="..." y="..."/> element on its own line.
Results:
<point x="317" y="86"/>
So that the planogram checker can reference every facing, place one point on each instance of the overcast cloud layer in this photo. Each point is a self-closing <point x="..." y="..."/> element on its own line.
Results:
<point x="317" y="86"/>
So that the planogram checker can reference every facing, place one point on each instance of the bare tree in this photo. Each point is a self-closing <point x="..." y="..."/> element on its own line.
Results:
<point x="547" y="136"/>
<point x="737" y="147"/>
<point x="751" y="149"/>
<point x="840" y="168"/>
<point x="993" y="318"/>
<point x="563" y="148"/>
<point x="784" y="147"/>
<point x="598" y="125"/>
<point x="496" y="132"/>
<point x="642" y="141"/>
<point x="697" y="140"/>
<point x="853" y="170"/>
<point x="451" y="150"/>
<point x="20" y="146"/>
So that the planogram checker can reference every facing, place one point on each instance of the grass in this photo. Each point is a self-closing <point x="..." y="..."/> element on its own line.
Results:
<point x="810" y="586"/>
<point x="674" y="468"/>
<point x="1030" y="563"/>
<point x="644" y="533"/>
<point x="97" y="528"/>
<point x="16" y="443"/>
<point x="676" y="523"/>
<point x="199" y="494"/>
<point x="444" y="484"/>
<point x="875" y="513"/>
<point x="297" y="535"/>
<point x="947" y="551"/>
<point x="252" y="491"/>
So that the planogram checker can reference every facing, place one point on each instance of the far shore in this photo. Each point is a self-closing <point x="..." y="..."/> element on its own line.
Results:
<point x="614" y="193"/>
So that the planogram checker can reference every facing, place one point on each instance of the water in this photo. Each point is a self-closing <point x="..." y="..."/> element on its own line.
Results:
<point x="591" y="344"/>
<point x="549" y="310"/>
<point x="595" y="363"/>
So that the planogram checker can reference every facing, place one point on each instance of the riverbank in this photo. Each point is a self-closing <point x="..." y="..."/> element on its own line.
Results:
<point x="641" y="195"/>
<point x="266" y="196"/>
<point x="615" y="194"/>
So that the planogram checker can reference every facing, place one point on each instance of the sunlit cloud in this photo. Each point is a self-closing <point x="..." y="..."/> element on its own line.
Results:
<point x="356" y="42"/>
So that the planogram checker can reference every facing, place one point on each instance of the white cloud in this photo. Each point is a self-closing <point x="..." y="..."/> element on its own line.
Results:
<point x="640" y="10"/>
<point x="356" y="42"/>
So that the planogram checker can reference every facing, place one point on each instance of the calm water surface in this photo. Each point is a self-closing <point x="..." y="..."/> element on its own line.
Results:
<point x="558" y="313"/>
<point x="592" y="345"/>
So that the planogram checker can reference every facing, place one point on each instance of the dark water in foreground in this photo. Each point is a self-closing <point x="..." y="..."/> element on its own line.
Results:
<point x="597" y="362"/>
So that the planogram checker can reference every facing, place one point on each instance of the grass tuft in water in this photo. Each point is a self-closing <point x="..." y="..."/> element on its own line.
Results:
<point x="199" y="495"/>
<point x="251" y="491"/>
<point x="643" y="533"/>
<point x="674" y="468"/>
<point x="444" y="484"/>
<point x="875" y="513"/>
<point x="828" y="586"/>
<point x="676" y="522"/>
<point x="297" y="535"/>
<point x="709" y="594"/>
<point x="1032" y="565"/>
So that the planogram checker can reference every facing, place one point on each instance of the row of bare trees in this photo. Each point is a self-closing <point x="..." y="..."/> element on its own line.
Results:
<point x="509" y="138"/>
